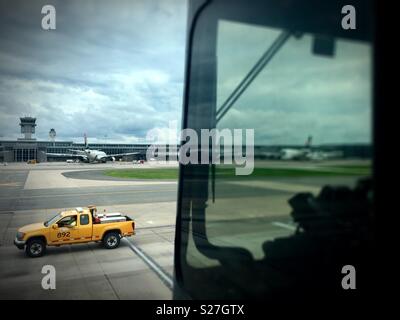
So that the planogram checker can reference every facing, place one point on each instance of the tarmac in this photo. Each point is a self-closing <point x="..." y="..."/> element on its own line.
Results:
<point x="246" y="214"/>
<point x="30" y="194"/>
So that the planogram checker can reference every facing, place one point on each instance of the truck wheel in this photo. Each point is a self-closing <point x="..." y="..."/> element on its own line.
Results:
<point x="35" y="248"/>
<point x="111" y="240"/>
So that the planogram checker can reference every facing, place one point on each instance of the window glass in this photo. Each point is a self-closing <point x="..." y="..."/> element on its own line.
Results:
<point x="68" y="221"/>
<point x="52" y="220"/>
<point x="311" y="116"/>
<point x="84" y="219"/>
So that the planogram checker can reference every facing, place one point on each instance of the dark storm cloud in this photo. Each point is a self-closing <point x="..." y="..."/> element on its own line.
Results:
<point x="111" y="68"/>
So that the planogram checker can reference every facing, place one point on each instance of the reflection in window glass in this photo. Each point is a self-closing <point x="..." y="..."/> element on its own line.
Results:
<point x="312" y="119"/>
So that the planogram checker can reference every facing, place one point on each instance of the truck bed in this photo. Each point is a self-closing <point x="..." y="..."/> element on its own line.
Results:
<point x="125" y="228"/>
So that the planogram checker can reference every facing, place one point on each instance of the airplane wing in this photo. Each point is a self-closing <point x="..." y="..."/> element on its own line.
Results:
<point x="71" y="155"/>
<point x="271" y="154"/>
<point x="122" y="154"/>
<point x="79" y="152"/>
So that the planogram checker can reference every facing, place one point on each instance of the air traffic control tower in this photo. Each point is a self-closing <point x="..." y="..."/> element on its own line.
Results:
<point x="28" y="125"/>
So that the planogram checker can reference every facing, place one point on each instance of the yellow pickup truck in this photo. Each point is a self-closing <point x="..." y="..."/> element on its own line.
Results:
<point x="75" y="226"/>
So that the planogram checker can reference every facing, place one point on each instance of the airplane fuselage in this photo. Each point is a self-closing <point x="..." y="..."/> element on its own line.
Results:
<point x="96" y="155"/>
<point x="92" y="156"/>
<point x="293" y="154"/>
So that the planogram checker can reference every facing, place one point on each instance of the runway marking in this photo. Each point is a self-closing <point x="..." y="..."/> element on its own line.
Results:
<point x="164" y="276"/>
<point x="284" y="225"/>
<point x="281" y="186"/>
<point x="82" y="194"/>
<point x="155" y="227"/>
<point x="10" y="184"/>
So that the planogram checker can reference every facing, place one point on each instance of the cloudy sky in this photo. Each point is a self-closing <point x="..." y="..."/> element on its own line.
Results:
<point x="111" y="69"/>
<point x="114" y="70"/>
<point x="298" y="93"/>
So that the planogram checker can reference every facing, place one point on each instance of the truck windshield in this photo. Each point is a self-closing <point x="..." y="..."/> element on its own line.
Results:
<point x="52" y="220"/>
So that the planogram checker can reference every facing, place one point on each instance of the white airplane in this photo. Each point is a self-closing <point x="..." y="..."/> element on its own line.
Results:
<point x="89" y="155"/>
<point x="304" y="153"/>
<point x="296" y="153"/>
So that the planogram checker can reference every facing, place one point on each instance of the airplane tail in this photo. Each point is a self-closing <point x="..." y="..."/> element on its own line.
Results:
<point x="85" y="139"/>
<point x="308" y="141"/>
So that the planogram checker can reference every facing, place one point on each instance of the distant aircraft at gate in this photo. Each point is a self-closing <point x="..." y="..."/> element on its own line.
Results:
<point x="305" y="153"/>
<point x="91" y="155"/>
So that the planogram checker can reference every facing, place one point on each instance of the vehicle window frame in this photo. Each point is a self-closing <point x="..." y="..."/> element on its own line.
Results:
<point x="208" y="13"/>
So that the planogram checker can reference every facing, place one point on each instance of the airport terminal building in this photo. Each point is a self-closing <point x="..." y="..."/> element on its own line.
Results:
<point x="28" y="148"/>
